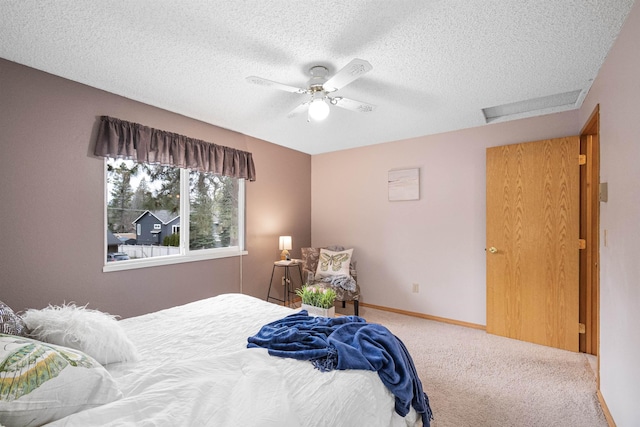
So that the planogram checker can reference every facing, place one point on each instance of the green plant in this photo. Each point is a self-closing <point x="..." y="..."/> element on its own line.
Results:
<point x="317" y="296"/>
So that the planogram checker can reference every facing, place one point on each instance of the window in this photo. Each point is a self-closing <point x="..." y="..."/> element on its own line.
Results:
<point x="165" y="214"/>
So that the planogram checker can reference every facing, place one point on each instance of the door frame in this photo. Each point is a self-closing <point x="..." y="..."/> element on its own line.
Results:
<point x="590" y="231"/>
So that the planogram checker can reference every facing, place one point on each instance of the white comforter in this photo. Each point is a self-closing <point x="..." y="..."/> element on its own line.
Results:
<point x="195" y="370"/>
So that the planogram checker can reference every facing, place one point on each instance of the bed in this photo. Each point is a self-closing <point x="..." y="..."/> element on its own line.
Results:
<point x="193" y="368"/>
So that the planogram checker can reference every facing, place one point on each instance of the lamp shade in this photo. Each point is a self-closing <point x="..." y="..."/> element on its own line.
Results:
<point x="285" y="243"/>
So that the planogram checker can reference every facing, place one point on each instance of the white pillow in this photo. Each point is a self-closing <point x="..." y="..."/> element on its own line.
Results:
<point x="93" y="332"/>
<point x="43" y="382"/>
<point x="332" y="263"/>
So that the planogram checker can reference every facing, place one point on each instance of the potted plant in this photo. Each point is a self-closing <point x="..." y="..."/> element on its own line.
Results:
<point x="318" y="301"/>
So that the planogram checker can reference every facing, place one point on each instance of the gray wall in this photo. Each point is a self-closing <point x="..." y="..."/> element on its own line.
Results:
<point x="52" y="203"/>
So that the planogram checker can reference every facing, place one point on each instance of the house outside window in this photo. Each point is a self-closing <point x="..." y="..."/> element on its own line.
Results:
<point x="175" y="214"/>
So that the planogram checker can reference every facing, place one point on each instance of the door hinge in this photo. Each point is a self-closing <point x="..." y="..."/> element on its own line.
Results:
<point x="582" y="159"/>
<point x="582" y="329"/>
<point x="582" y="244"/>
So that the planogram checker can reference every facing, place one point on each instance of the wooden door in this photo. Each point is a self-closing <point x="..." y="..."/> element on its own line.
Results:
<point x="533" y="214"/>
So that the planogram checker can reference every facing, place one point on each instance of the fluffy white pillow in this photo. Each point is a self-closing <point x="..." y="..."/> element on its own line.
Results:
<point x="91" y="331"/>
<point x="332" y="263"/>
<point x="43" y="382"/>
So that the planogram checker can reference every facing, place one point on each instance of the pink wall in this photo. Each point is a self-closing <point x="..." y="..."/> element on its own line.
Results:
<point x="617" y="90"/>
<point x="438" y="241"/>
<point x="52" y="197"/>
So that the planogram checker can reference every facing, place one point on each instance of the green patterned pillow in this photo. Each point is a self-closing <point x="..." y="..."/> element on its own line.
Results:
<point x="40" y="383"/>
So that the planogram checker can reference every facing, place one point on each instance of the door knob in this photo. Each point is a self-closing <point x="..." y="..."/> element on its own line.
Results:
<point x="493" y="250"/>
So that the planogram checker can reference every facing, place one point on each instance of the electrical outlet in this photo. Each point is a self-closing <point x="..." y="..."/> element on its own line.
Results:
<point x="416" y="288"/>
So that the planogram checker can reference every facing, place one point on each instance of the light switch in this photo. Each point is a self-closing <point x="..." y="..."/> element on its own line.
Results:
<point x="604" y="191"/>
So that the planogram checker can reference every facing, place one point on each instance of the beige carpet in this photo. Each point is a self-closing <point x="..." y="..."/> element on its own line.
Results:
<point x="474" y="379"/>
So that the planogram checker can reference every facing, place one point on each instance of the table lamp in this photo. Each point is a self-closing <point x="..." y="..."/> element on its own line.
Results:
<point x="285" y="246"/>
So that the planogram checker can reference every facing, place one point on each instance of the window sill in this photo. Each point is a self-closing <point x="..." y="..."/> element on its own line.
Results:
<point x="169" y="260"/>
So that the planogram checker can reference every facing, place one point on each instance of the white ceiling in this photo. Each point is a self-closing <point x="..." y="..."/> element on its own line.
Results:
<point x="436" y="64"/>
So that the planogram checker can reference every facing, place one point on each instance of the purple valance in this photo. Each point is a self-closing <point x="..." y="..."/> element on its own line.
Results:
<point x="120" y="139"/>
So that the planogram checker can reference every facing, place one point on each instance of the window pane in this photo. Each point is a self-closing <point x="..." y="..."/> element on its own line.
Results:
<point x="143" y="209"/>
<point x="213" y="211"/>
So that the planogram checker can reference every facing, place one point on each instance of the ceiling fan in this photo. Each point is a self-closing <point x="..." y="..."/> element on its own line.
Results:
<point x="320" y="90"/>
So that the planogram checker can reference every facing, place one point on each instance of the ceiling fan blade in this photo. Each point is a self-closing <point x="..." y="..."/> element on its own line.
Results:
<point x="352" y="105"/>
<point x="298" y="110"/>
<point x="269" y="83"/>
<point x="353" y="70"/>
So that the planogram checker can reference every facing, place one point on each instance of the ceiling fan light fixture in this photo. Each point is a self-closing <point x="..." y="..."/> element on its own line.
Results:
<point x="318" y="109"/>
<point x="318" y="105"/>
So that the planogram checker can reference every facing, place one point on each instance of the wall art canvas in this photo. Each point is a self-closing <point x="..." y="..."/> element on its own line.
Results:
<point x="404" y="184"/>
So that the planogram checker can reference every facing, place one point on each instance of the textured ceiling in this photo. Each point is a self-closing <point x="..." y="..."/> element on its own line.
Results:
<point x="436" y="64"/>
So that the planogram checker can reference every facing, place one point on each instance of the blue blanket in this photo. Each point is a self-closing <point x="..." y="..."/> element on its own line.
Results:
<point x="348" y="342"/>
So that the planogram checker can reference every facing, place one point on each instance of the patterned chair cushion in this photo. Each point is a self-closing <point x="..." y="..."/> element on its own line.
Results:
<point x="333" y="263"/>
<point x="310" y="258"/>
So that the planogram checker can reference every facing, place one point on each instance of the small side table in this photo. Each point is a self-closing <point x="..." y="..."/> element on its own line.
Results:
<point x="287" y="265"/>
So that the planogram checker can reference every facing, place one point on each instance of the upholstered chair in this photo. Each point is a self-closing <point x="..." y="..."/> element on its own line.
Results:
<point x="345" y="288"/>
